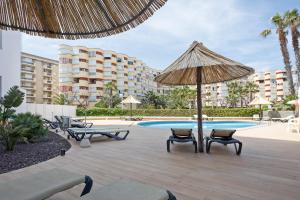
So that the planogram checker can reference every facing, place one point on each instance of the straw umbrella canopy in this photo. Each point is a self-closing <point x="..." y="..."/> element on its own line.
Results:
<point x="260" y="101"/>
<point x="75" y="19"/>
<point x="130" y="100"/>
<point x="199" y="65"/>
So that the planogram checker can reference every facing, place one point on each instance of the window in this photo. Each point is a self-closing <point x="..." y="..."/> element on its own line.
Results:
<point x="65" y="69"/>
<point x="92" y="54"/>
<point x="76" y="70"/>
<point x="65" y="60"/>
<point x="107" y="64"/>
<point x="107" y="74"/>
<point x="92" y="62"/>
<point x="65" y="79"/>
<point x="75" y="61"/>
<point x="130" y="63"/>
<point x="27" y="60"/>
<point x="119" y="59"/>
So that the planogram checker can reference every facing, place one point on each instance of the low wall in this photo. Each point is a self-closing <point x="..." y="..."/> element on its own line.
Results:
<point x="163" y="118"/>
<point x="48" y="111"/>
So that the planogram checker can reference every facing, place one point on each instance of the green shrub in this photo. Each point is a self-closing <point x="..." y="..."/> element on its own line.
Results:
<point x="33" y="125"/>
<point x="213" y="112"/>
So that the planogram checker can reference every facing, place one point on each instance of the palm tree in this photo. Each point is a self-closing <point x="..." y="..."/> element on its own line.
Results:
<point x="110" y="88"/>
<point x="233" y="93"/>
<point x="61" y="99"/>
<point x="293" y="20"/>
<point x="281" y="25"/>
<point x="251" y="89"/>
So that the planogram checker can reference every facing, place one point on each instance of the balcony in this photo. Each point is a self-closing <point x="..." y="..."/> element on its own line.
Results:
<point x="47" y="81"/>
<point x="27" y="79"/>
<point x="27" y="69"/>
<point x="47" y="74"/>
<point x="81" y="74"/>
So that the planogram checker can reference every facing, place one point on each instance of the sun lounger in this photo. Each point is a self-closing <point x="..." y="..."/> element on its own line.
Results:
<point x="182" y="136"/>
<point x="50" y="124"/>
<point x="129" y="190"/>
<point x="223" y="137"/>
<point x="79" y="133"/>
<point x="43" y="185"/>
<point x="74" y="123"/>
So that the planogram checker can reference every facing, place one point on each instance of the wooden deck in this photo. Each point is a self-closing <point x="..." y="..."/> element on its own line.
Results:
<point x="269" y="167"/>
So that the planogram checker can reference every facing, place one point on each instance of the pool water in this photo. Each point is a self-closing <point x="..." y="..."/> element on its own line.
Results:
<point x="193" y="124"/>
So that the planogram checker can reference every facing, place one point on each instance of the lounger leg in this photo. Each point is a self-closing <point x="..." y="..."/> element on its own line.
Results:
<point x="127" y="132"/>
<point x="171" y="196"/>
<point x="208" y="146"/>
<point x="168" y="145"/>
<point x="195" y="144"/>
<point x="88" y="185"/>
<point x="240" y="149"/>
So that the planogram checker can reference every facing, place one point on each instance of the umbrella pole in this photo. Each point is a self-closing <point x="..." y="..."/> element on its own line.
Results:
<point x="261" y="113"/>
<point x="199" y="108"/>
<point x="131" y="110"/>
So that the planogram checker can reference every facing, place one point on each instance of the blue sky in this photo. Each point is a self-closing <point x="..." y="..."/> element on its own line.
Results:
<point x="229" y="27"/>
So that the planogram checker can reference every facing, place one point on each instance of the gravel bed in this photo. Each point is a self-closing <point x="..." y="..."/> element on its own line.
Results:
<point x="26" y="154"/>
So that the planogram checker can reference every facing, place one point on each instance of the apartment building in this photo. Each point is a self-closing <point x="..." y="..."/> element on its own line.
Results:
<point x="84" y="72"/>
<point x="274" y="85"/>
<point x="39" y="77"/>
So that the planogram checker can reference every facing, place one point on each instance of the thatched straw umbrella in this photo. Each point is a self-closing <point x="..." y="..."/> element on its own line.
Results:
<point x="199" y="65"/>
<point x="130" y="100"/>
<point x="260" y="102"/>
<point x="75" y="19"/>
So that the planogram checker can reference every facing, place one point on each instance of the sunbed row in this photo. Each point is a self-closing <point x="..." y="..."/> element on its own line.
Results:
<point x="47" y="183"/>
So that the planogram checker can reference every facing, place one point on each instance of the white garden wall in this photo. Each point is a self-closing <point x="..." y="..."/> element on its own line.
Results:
<point x="48" y="111"/>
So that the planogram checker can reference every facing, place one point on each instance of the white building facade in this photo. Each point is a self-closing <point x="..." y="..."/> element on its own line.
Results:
<point x="10" y="57"/>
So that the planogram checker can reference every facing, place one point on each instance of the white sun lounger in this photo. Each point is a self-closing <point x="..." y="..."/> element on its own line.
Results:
<point x="43" y="185"/>
<point x="129" y="190"/>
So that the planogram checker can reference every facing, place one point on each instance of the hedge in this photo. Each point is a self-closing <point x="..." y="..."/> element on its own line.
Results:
<point x="212" y="112"/>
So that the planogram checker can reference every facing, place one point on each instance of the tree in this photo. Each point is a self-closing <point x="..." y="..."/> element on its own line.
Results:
<point x="110" y="88"/>
<point x="105" y="101"/>
<point x="251" y="88"/>
<point x="8" y="133"/>
<point x="293" y="21"/>
<point x="61" y="99"/>
<point x="151" y="99"/>
<point x="180" y="98"/>
<point x="233" y="89"/>
<point x="280" y="23"/>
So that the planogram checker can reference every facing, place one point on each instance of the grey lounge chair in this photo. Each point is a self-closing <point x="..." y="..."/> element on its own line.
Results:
<point x="181" y="136"/>
<point x="129" y="190"/>
<point x="223" y="137"/>
<point x="43" y="185"/>
<point x="74" y="123"/>
<point x="50" y="124"/>
<point x="79" y="133"/>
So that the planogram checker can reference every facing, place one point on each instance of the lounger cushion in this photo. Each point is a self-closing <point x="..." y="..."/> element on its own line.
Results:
<point x="181" y="132"/>
<point x="39" y="186"/>
<point x="222" y="133"/>
<point x="127" y="190"/>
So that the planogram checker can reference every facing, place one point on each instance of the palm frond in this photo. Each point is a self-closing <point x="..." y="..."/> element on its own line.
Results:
<point x="266" y="33"/>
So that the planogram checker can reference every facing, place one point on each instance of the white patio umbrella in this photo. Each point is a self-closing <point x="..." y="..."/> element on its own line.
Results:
<point x="260" y="101"/>
<point x="131" y="100"/>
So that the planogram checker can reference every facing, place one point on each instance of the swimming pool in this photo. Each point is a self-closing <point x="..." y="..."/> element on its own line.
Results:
<point x="193" y="124"/>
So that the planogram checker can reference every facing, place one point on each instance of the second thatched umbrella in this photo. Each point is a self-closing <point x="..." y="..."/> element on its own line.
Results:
<point x="130" y="100"/>
<point x="199" y="65"/>
<point x="260" y="102"/>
